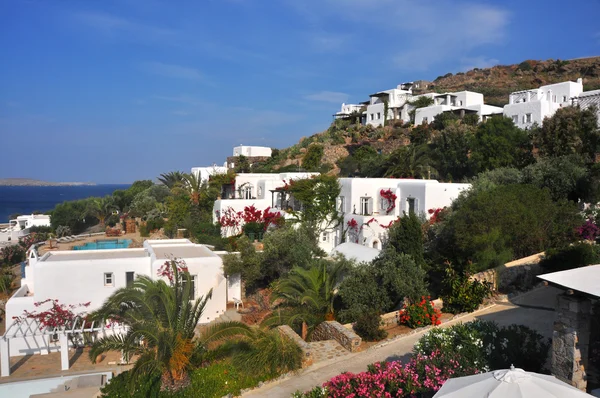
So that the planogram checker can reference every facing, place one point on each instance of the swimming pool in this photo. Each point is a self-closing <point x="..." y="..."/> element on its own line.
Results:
<point x="105" y="244"/>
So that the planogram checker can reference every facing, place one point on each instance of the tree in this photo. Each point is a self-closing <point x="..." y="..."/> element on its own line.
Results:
<point x="242" y="165"/>
<point x="450" y="151"/>
<point x="101" y="208"/>
<point x="491" y="227"/>
<point x="306" y="295"/>
<point x="318" y="196"/>
<point x="409" y="162"/>
<point x="443" y="120"/>
<point x="193" y="186"/>
<point x="563" y="176"/>
<point x="381" y="286"/>
<point x="569" y="131"/>
<point x="406" y="236"/>
<point x="124" y="197"/>
<point x="164" y="317"/>
<point x="420" y="102"/>
<point x="499" y="143"/>
<point x="312" y="158"/>
<point x="172" y="179"/>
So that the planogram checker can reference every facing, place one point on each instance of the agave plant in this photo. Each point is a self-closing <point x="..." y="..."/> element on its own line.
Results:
<point x="161" y="319"/>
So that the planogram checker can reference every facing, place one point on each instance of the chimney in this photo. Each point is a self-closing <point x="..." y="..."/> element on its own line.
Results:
<point x="579" y="81"/>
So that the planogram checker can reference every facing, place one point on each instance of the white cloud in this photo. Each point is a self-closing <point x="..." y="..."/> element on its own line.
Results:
<point x="416" y="34"/>
<point x="328" y="96"/>
<point x="174" y="71"/>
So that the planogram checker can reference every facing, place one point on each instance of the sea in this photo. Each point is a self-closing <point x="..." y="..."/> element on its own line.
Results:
<point x="26" y="200"/>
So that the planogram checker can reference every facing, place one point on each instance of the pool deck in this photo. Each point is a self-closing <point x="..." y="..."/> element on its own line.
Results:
<point x="135" y="242"/>
<point x="37" y="366"/>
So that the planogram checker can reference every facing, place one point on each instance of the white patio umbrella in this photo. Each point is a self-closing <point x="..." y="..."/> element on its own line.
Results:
<point x="508" y="383"/>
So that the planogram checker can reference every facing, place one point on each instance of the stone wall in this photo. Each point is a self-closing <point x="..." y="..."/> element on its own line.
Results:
<point x="307" y="354"/>
<point x="571" y="339"/>
<point x="332" y="330"/>
<point x="513" y="276"/>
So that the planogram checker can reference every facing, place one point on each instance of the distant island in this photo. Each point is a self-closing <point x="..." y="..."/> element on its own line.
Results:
<point x="28" y="182"/>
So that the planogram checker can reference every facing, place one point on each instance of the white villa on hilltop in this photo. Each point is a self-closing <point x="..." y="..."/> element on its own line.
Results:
<point x="397" y="103"/>
<point x="531" y="106"/>
<point x="204" y="173"/>
<point x="19" y="227"/>
<point x="77" y="276"/>
<point x="368" y="205"/>
<point x="461" y="103"/>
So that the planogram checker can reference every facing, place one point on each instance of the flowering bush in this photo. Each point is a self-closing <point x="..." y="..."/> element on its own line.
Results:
<point x="12" y="254"/>
<point x="166" y="270"/>
<point x="420" y="314"/>
<point x="437" y="215"/>
<point x="460" y="293"/>
<point x="33" y="238"/>
<point x="422" y="374"/>
<point x="57" y="316"/>
<point x="589" y="230"/>
<point x="250" y="216"/>
<point x="484" y="345"/>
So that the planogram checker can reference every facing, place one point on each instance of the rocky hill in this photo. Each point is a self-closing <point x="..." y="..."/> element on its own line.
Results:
<point x="495" y="83"/>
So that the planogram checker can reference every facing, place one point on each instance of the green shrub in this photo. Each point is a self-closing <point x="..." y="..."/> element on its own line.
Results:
<point x="10" y="255"/>
<point x="120" y="387"/>
<point x="487" y="346"/>
<point x="144" y="231"/>
<point x="40" y="228"/>
<point x="574" y="256"/>
<point x="368" y="326"/>
<point x="270" y="353"/>
<point x="460" y="294"/>
<point x="420" y="314"/>
<point x="155" y="224"/>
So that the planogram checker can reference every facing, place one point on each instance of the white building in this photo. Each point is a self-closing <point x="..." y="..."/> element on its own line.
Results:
<point x="347" y="109"/>
<point x="531" y="106"/>
<point x="360" y="200"/>
<point x="461" y="102"/>
<point x="78" y="276"/>
<point x="19" y="227"/>
<point x="587" y="99"/>
<point x="204" y="173"/>
<point x="397" y="103"/>
<point x="252" y="151"/>
<point x="258" y="190"/>
<point x="367" y="214"/>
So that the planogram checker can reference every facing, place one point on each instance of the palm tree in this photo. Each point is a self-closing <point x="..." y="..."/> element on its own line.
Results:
<point x="172" y="178"/>
<point x="101" y="208"/>
<point x="306" y="296"/>
<point x="193" y="186"/>
<point x="160" y="319"/>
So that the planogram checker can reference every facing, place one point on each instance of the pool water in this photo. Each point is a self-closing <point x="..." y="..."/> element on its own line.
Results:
<point x="105" y="244"/>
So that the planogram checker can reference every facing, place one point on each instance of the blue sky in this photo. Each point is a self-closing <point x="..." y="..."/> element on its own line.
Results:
<point x="113" y="91"/>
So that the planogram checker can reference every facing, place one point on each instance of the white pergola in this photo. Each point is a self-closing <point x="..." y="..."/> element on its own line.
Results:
<point x="31" y="328"/>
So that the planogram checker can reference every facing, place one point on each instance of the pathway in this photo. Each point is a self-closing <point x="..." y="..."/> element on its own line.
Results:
<point x="532" y="309"/>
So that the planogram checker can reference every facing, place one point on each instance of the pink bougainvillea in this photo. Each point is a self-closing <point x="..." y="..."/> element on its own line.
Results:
<point x="166" y="270"/>
<point x="57" y="316"/>
<point x="390" y="198"/>
<point x="589" y="230"/>
<point x="422" y="374"/>
<point x="436" y="215"/>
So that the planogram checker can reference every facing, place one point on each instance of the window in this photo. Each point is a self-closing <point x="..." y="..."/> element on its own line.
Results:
<point x="378" y="115"/>
<point x="564" y="98"/>
<point x="109" y="279"/>
<point x="411" y="205"/>
<point x="129" y="277"/>
<point x="425" y="119"/>
<point x="325" y="237"/>
<point x="523" y="119"/>
<point x="554" y="98"/>
<point x="366" y="206"/>
<point x="193" y="279"/>
<point x="248" y="192"/>
<point x="375" y="244"/>
<point x="528" y="117"/>
<point x="372" y="116"/>
<point x="515" y="119"/>
<point x="341" y="204"/>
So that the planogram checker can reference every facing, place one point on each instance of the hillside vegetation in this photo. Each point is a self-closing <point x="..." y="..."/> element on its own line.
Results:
<point x="344" y="137"/>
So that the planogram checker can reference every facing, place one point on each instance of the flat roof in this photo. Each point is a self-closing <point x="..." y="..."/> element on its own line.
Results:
<point x="354" y="251"/>
<point x="584" y="279"/>
<point x="81" y="255"/>
<point x="163" y="252"/>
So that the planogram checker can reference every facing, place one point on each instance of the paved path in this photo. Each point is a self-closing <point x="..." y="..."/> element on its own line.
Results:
<point x="533" y="309"/>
